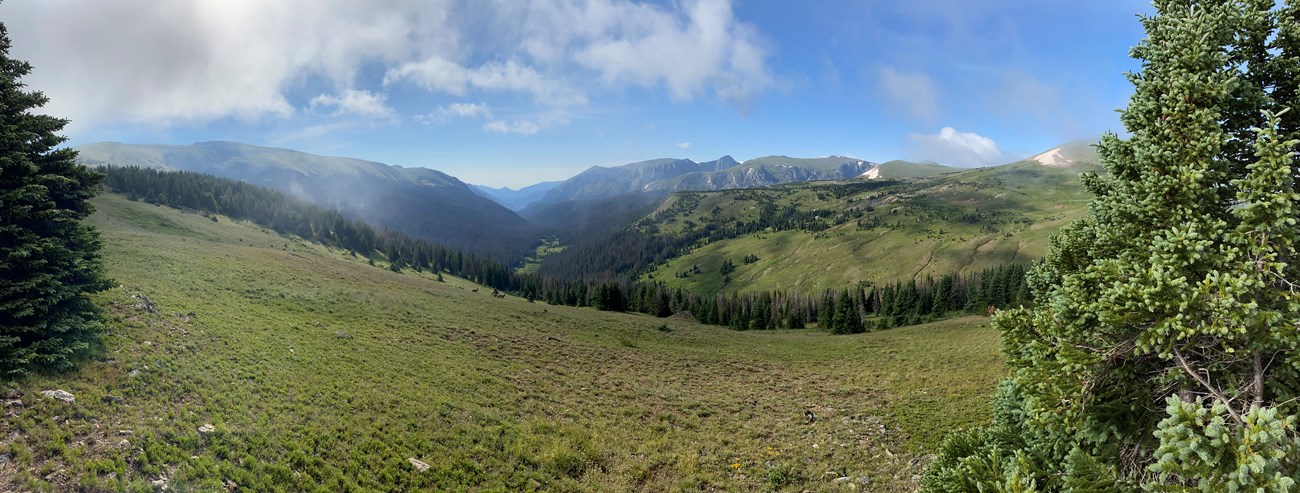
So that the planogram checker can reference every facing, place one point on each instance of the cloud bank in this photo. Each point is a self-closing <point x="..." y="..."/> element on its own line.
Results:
<point x="954" y="148"/>
<point x="192" y="61"/>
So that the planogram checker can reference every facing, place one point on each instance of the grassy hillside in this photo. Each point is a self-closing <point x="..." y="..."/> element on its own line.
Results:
<point x="875" y="230"/>
<point x="908" y="169"/>
<point x="421" y="202"/>
<point x="249" y="162"/>
<point x="318" y="372"/>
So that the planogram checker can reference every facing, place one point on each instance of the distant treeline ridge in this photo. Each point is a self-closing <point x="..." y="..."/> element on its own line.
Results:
<point x="845" y="311"/>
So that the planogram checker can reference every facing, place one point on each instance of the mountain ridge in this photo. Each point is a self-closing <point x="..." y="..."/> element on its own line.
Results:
<point x="423" y="202"/>
<point x="672" y="175"/>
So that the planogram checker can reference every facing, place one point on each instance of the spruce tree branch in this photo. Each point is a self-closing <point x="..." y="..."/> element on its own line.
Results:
<point x="1259" y="380"/>
<point x="1284" y="281"/>
<point x="1214" y="391"/>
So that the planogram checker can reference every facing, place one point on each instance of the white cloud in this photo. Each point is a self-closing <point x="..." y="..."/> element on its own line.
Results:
<point x="184" y="62"/>
<point x="954" y="148"/>
<point x="704" y="50"/>
<point x="690" y="51"/>
<point x="444" y="114"/>
<point x="352" y="102"/>
<point x="527" y="126"/>
<point x="439" y="75"/>
<point x="187" y="62"/>
<point x="521" y="127"/>
<point x="682" y="145"/>
<point x="912" y="93"/>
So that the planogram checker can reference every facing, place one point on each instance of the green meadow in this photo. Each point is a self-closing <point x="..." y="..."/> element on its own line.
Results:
<point x="958" y="222"/>
<point x="241" y="360"/>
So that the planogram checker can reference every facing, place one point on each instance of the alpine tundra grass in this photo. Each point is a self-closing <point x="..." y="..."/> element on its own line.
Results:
<point x="239" y="359"/>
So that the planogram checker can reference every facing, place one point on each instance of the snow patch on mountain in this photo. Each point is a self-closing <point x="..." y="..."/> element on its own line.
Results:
<point x="1053" y="157"/>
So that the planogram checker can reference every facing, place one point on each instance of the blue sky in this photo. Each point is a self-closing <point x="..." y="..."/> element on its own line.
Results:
<point x="509" y="93"/>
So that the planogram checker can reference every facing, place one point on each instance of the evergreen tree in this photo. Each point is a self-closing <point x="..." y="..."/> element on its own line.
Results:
<point x="1161" y="354"/>
<point x="846" y="319"/>
<point x="826" y="311"/>
<point x="49" y="260"/>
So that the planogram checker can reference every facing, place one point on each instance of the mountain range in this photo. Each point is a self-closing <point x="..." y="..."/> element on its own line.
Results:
<point x="827" y="235"/>
<point x="501" y="222"/>
<point x="672" y="175"/>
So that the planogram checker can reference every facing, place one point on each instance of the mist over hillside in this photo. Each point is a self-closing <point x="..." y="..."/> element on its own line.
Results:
<point x="516" y="199"/>
<point x="422" y="202"/>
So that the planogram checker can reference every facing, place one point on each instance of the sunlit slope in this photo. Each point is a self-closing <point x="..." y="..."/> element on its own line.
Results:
<point x="876" y="230"/>
<point x="319" y="372"/>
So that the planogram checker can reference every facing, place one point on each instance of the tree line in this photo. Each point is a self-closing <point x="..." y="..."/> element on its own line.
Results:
<point x="849" y="310"/>
<point x="863" y="307"/>
<point x="286" y="214"/>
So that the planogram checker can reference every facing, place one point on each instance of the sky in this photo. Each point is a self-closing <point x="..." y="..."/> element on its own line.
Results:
<point x="514" y="92"/>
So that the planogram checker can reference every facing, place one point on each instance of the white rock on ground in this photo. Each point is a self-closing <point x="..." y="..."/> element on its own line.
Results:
<point x="207" y="428"/>
<point x="418" y="465"/>
<point x="62" y="395"/>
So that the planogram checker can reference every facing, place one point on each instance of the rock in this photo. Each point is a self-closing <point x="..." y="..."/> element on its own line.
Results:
<point x="125" y="432"/>
<point x="14" y="403"/>
<point x="5" y="459"/>
<point x="842" y="479"/>
<point x="160" y="484"/>
<point x="420" y="466"/>
<point x="207" y="428"/>
<point x="145" y="304"/>
<point x="62" y="395"/>
<point x="864" y="480"/>
<point x="112" y="399"/>
<point x="124" y="443"/>
<point x="13" y="394"/>
<point x="148" y="343"/>
<point x="133" y="373"/>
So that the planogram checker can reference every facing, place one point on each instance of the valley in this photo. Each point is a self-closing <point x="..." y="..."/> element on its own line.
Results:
<point x="647" y="246"/>
<point x="317" y="371"/>
<point x="829" y="235"/>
